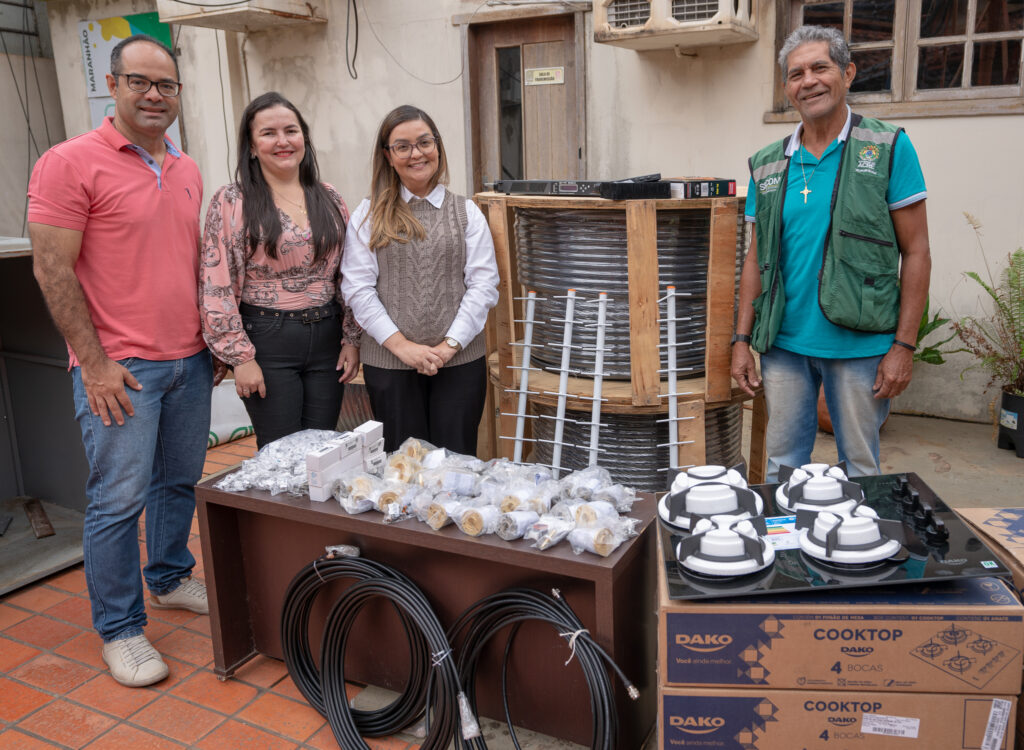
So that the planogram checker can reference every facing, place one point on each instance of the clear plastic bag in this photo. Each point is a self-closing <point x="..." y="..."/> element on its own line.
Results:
<point x="584" y="483"/>
<point x="479" y="520"/>
<point x="566" y="510"/>
<point x="595" y="512"/>
<point x="442" y="512"/>
<point x="599" y="540"/>
<point x="548" y="531"/>
<point x="449" y="478"/>
<point x="279" y="466"/>
<point x="515" y="524"/>
<point x="401" y="467"/>
<point x="619" y="495"/>
<point x="415" y="448"/>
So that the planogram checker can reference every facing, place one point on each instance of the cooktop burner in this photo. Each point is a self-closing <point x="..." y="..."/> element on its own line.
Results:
<point x="819" y="530"/>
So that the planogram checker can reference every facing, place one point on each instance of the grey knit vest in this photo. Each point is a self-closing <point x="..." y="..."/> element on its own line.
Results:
<point x="421" y="283"/>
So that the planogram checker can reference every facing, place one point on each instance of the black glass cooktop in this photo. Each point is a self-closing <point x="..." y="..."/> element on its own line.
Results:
<point x="937" y="546"/>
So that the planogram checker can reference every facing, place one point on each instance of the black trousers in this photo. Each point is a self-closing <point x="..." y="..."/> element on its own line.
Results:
<point x="444" y="409"/>
<point x="298" y="353"/>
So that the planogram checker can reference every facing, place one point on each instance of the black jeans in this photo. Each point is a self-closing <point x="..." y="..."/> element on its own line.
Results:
<point x="444" y="409"/>
<point x="298" y="353"/>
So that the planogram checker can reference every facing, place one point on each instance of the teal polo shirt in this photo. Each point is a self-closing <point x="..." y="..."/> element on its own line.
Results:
<point x="804" y="228"/>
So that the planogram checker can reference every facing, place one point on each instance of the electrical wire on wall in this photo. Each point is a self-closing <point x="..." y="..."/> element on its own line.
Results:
<point x="355" y="13"/>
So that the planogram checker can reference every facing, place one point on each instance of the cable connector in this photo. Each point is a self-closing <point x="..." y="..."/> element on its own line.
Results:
<point x="341" y="550"/>
<point x="633" y="692"/>
<point x="470" y="726"/>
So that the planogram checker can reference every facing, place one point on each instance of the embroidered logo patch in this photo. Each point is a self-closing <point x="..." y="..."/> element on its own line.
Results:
<point x="867" y="158"/>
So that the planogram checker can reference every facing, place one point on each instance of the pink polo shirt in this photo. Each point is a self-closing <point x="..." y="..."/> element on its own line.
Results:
<point x="139" y="262"/>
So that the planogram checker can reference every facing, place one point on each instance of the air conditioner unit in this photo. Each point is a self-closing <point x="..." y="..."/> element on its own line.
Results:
<point x="667" y="24"/>
<point x="246" y="15"/>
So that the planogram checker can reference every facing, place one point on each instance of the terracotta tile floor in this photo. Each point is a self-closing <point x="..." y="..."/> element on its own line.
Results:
<point x="55" y="691"/>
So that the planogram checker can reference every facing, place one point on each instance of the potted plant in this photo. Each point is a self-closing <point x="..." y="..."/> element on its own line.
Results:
<point x="997" y="341"/>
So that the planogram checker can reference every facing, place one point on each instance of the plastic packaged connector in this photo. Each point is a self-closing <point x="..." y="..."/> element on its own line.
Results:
<point x="605" y="536"/>
<point x="449" y="478"/>
<point x="566" y="510"/>
<point x="442" y="512"/>
<point x="595" y="512"/>
<point x="619" y="495"/>
<point x="401" y="467"/>
<point x="422" y="499"/>
<point x="548" y="531"/>
<point x="479" y="520"/>
<point x="514" y="495"/>
<point x="544" y="496"/>
<point x="599" y="540"/>
<point x="279" y="466"/>
<point x="360" y="486"/>
<point x="515" y="524"/>
<point x="415" y="448"/>
<point x="584" y="483"/>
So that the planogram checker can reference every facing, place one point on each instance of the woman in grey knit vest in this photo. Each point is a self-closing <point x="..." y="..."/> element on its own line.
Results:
<point x="418" y="271"/>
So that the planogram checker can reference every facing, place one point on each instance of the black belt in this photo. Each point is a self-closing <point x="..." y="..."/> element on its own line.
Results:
<point x="309" y="315"/>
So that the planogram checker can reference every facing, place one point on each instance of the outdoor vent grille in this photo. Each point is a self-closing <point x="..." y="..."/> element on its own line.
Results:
<point x="625" y="13"/>
<point x="694" y="10"/>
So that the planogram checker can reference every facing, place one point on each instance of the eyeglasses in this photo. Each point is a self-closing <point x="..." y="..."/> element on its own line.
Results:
<point x="403" y="149"/>
<point x="141" y="85"/>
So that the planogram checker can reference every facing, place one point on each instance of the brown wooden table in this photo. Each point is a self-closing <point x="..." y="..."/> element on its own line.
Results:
<point x="254" y="544"/>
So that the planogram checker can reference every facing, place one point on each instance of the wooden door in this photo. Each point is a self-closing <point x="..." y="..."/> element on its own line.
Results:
<point x="526" y="100"/>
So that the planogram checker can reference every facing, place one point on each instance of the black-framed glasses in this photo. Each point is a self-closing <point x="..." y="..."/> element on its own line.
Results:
<point x="141" y="84"/>
<point x="403" y="149"/>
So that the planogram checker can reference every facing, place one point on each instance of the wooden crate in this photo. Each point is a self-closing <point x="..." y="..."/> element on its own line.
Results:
<point x="642" y="392"/>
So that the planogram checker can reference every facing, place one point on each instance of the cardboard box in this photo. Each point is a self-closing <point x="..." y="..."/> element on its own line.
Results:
<point x="323" y="477"/>
<point x="1003" y="530"/>
<point x="956" y="637"/>
<point x="348" y="443"/>
<point x="322" y="457"/>
<point x="370" y="432"/>
<point x="759" y="719"/>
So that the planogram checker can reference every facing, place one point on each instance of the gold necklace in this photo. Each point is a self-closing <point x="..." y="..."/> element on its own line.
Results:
<point x="807" y="191"/>
<point x="302" y="206"/>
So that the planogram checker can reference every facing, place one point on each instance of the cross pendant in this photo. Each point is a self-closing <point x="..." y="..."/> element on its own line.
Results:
<point x="806" y="191"/>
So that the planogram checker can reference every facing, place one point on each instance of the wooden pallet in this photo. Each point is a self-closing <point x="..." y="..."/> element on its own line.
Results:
<point x="643" y="391"/>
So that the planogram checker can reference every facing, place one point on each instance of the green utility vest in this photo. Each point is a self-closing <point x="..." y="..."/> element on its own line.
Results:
<point x="858" y="284"/>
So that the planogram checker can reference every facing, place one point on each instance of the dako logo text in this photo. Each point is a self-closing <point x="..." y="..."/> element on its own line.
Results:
<point x="857" y="651"/>
<point x="697" y="724"/>
<point x="703" y="642"/>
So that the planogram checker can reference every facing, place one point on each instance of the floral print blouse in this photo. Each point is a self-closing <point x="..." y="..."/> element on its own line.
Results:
<point x="230" y="275"/>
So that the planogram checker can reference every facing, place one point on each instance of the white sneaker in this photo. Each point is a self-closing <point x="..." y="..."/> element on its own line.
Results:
<point x="134" y="662"/>
<point x="190" y="595"/>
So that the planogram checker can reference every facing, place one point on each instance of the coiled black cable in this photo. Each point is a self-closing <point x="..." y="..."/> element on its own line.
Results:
<point x="444" y="691"/>
<point x="302" y="591"/>
<point x="512" y="607"/>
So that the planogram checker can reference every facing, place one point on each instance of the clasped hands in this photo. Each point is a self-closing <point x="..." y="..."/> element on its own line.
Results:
<point x="426" y="360"/>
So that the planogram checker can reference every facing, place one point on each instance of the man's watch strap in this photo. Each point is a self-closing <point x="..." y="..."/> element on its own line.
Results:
<point x="740" y="338"/>
<point x="453" y="343"/>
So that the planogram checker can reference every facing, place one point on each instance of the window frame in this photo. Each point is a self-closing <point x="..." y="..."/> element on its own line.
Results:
<point x="904" y="100"/>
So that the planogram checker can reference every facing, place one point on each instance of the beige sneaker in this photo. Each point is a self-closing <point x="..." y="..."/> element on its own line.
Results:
<point x="190" y="595"/>
<point x="134" y="662"/>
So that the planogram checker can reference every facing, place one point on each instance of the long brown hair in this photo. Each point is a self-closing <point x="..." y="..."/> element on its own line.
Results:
<point x="390" y="217"/>
<point x="259" y="214"/>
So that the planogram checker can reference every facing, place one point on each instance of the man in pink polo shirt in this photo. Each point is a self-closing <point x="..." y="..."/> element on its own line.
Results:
<point x="114" y="222"/>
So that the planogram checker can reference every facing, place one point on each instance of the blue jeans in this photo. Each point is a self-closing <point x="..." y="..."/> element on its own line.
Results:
<point x="151" y="462"/>
<point x="791" y="384"/>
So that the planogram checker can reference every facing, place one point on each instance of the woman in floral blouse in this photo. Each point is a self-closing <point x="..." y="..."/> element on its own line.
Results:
<point x="269" y="295"/>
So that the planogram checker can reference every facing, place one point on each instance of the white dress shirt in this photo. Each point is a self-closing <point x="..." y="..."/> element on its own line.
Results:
<point x="359" y="271"/>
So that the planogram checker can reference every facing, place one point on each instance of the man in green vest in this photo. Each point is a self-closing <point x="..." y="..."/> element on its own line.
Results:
<point x="836" y="277"/>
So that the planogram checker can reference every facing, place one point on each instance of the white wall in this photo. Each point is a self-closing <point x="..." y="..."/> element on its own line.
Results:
<point x="19" y="151"/>
<point x="646" y="112"/>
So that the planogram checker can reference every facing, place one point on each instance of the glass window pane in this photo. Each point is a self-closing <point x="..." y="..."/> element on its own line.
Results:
<point x="825" y="14"/>
<point x="872" y="20"/>
<point x="996" y="63"/>
<point x="510" y="113"/>
<point x="999" y="15"/>
<point x="943" y="17"/>
<point x="874" y="70"/>
<point x="940" y="67"/>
